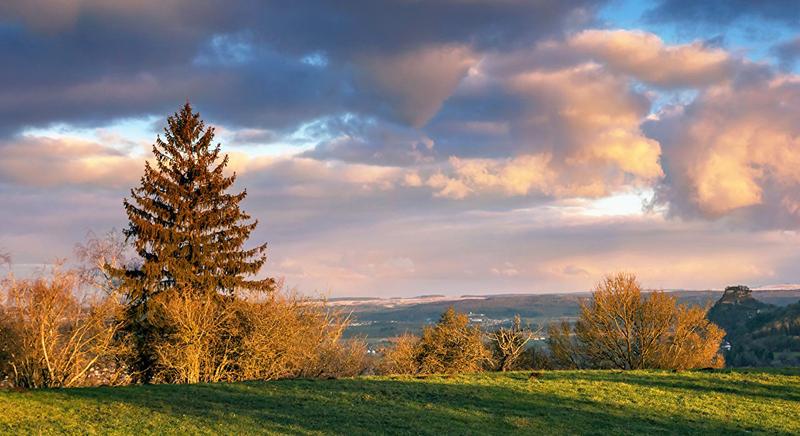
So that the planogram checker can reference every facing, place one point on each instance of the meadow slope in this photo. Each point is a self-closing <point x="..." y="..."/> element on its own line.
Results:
<point x="559" y="402"/>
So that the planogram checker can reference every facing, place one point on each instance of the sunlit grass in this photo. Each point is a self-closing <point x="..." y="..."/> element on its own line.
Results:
<point x="559" y="402"/>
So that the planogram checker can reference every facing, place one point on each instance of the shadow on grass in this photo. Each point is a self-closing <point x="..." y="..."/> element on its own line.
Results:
<point x="436" y="406"/>
<point x="750" y="383"/>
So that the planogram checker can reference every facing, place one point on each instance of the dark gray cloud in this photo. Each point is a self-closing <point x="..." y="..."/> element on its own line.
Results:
<point x="357" y="26"/>
<point x="372" y="141"/>
<point x="269" y="64"/>
<point x="788" y="52"/>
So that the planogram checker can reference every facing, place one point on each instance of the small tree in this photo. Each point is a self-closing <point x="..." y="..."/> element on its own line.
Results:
<point x="622" y="328"/>
<point x="694" y="342"/>
<point x="509" y="344"/>
<point x="564" y="348"/>
<point x="99" y="256"/>
<point x="450" y="346"/>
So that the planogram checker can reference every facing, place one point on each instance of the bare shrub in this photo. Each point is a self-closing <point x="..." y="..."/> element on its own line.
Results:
<point x="450" y="346"/>
<point x="622" y="328"/>
<point x="289" y="336"/>
<point x="273" y="343"/>
<point x="509" y="345"/>
<point x="563" y="345"/>
<point x="401" y="358"/>
<point x="51" y="338"/>
<point x="215" y="338"/>
<point x="202" y="342"/>
<point x="98" y="255"/>
<point x="536" y="358"/>
<point x="336" y="358"/>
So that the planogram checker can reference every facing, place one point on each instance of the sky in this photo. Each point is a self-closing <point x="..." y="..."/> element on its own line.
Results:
<point x="408" y="147"/>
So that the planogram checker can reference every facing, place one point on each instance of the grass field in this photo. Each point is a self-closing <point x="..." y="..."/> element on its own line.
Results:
<point x="561" y="402"/>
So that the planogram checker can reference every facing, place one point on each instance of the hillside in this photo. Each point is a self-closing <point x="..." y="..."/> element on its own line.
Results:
<point x="759" y="334"/>
<point x="559" y="402"/>
<point x="379" y="318"/>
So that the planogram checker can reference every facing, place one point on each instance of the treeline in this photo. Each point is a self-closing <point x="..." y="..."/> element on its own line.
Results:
<point x="61" y="330"/>
<point x="176" y="301"/>
<point x="49" y="337"/>
<point x="619" y="327"/>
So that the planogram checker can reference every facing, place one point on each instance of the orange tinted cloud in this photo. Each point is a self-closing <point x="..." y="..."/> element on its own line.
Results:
<point x="645" y="56"/>
<point x="576" y="131"/>
<point x="42" y="161"/>
<point x="735" y="150"/>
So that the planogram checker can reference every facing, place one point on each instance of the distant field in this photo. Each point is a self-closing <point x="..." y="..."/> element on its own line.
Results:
<point x="561" y="402"/>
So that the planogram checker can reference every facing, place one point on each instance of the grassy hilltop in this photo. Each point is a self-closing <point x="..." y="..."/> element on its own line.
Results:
<point x="558" y="402"/>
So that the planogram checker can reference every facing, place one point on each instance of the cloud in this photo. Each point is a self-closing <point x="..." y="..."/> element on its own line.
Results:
<point x="522" y="175"/>
<point x="354" y="139"/>
<point x="447" y="145"/>
<point x="568" y="130"/>
<point x="537" y="249"/>
<point x="734" y="152"/>
<point x="587" y="116"/>
<point x="788" y="52"/>
<point x="60" y="16"/>
<point x="46" y="162"/>
<point x="247" y="61"/>
<point x="507" y="269"/>
<point x="416" y="83"/>
<point x="646" y="57"/>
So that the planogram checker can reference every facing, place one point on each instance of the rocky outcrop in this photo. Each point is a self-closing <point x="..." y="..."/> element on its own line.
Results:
<point x="758" y="334"/>
<point x="738" y="294"/>
<point x="734" y="310"/>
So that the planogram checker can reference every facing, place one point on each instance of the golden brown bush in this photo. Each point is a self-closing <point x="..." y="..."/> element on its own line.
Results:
<point x="450" y="346"/>
<point x="203" y="339"/>
<point x="694" y="344"/>
<point x="254" y="338"/>
<point x="622" y="328"/>
<point x="336" y="357"/>
<point x="51" y="338"/>
<point x="401" y="358"/>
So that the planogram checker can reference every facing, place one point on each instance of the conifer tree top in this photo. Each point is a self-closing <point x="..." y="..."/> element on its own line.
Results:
<point x="189" y="231"/>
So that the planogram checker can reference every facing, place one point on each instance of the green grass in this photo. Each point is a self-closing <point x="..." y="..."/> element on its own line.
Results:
<point x="563" y="402"/>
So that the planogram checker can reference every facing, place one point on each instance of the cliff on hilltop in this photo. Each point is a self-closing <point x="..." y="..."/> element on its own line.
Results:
<point x="758" y="334"/>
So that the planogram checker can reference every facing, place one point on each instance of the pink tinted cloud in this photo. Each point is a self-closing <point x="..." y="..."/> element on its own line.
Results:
<point x="645" y="56"/>
<point x="44" y="162"/>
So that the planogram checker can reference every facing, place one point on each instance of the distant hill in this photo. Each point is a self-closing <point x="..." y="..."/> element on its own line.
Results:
<point x="381" y="318"/>
<point x="384" y="318"/>
<point x="758" y="334"/>
<point x="780" y="287"/>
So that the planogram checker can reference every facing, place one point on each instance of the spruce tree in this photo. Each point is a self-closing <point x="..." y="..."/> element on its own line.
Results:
<point x="189" y="232"/>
